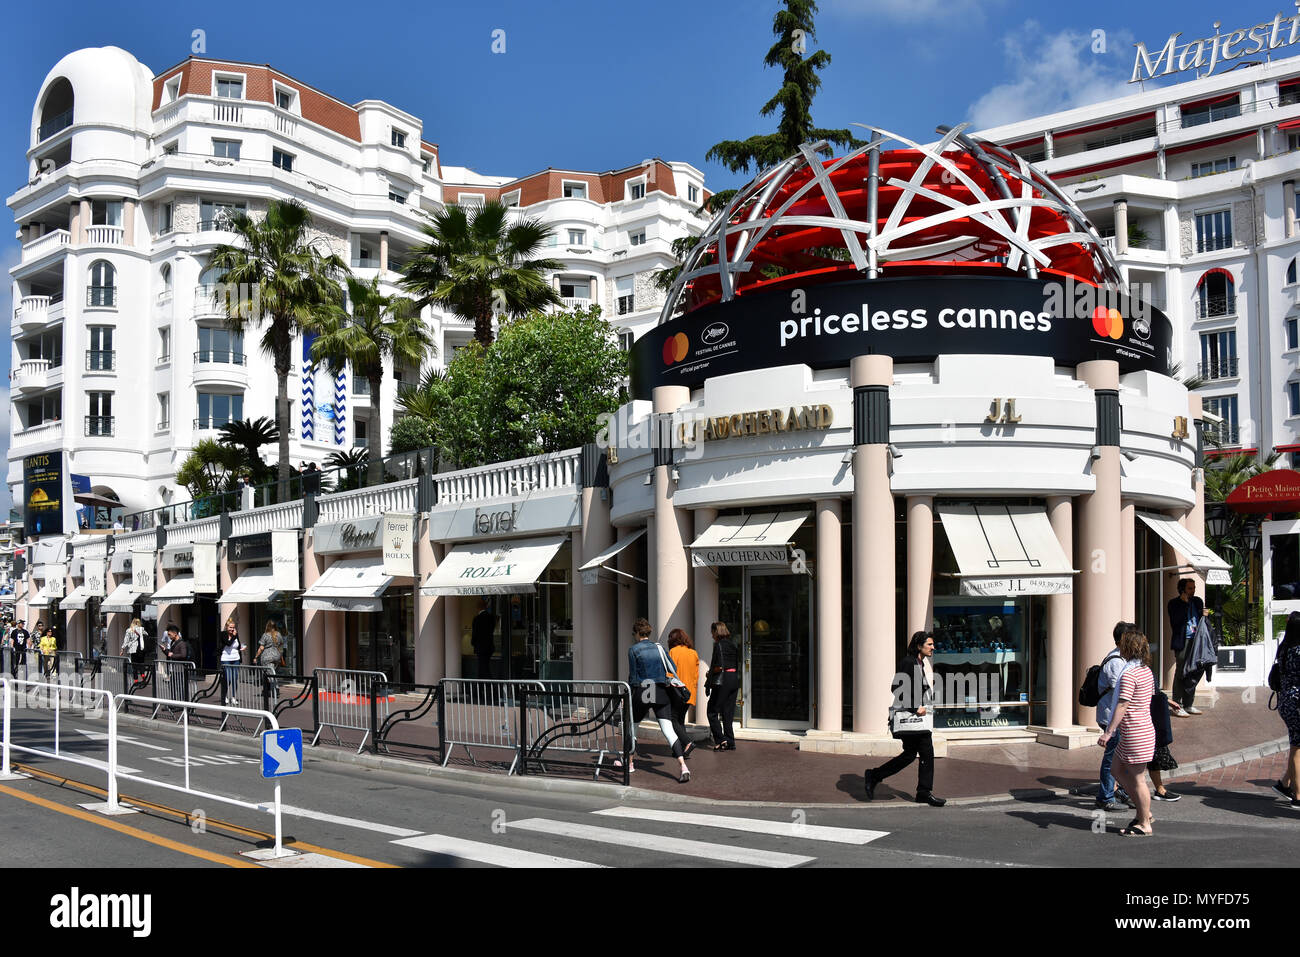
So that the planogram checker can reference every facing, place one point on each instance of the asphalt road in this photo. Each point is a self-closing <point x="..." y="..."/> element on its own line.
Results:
<point x="347" y="815"/>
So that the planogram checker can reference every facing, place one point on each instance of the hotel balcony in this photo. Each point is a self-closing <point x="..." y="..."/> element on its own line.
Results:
<point x="1216" y="308"/>
<point x="36" y="312"/>
<point x="104" y="235"/>
<point x="32" y="375"/>
<point x="1225" y="368"/>
<point x="44" y="434"/>
<point x="220" y="367"/>
<point x="52" y="242"/>
<point x="575" y="302"/>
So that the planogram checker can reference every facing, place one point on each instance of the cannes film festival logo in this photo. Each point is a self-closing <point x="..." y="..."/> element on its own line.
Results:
<point x="715" y="333"/>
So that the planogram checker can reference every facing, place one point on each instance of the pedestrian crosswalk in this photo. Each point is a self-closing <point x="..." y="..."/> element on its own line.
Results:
<point x="588" y="840"/>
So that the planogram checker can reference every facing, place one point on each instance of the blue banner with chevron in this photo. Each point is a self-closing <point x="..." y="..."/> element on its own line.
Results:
<point x="308" y="388"/>
<point x="340" y="407"/>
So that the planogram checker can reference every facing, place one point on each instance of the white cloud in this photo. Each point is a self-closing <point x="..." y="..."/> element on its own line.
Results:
<point x="1052" y="72"/>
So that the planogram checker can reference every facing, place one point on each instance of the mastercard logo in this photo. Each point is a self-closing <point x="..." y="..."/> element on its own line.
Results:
<point x="675" y="348"/>
<point x="1108" y="322"/>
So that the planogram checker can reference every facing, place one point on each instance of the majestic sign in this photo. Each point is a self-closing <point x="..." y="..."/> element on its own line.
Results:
<point x="284" y="559"/>
<point x="1277" y="490"/>
<point x="354" y="535"/>
<point x="909" y="318"/>
<point x="205" y="569"/>
<point x="1209" y="52"/>
<point x="399" y="544"/>
<point x="43" y="494"/>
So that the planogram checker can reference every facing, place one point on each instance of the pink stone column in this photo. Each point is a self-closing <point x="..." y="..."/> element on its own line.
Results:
<point x="1128" y="561"/>
<point x="1099" y="548"/>
<point x="452" y="636"/>
<point x="671" y="566"/>
<point x="1169" y="580"/>
<point x="629" y="562"/>
<point x="1060" y="624"/>
<point x="594" y="641"/>
<point x="874" y="625"/>
<point x="706" y="612"/>
<point x="1194" y="518"/>
<point x="430" y="637"/>
<point x="128" y="226"/>
<point x="920" y="563"/>
<point x="830" y="616"/>
<point x="313" y="622"/>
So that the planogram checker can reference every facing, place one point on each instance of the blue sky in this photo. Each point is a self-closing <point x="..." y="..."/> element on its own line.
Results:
<point x="591" y="84"/>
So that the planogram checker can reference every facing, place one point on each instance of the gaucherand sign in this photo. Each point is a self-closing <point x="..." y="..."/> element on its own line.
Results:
<point x="1208" y="52"/>
<point x="911" y="319"/>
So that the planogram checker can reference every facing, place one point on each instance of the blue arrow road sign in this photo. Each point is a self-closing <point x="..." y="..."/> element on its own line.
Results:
<point x="281" y="752"/>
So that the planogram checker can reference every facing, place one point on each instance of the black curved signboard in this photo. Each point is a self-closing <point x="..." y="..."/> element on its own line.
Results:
<point x="912" y="319"/>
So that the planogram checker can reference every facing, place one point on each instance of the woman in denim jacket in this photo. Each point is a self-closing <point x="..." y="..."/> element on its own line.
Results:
<point x="649" y="672"/>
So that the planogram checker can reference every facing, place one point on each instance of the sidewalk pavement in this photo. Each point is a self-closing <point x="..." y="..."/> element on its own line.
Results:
<point x="1234" y="733"/>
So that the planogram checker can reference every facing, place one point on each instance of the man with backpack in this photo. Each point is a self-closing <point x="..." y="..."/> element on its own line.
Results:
<point x="1100" y="689"/>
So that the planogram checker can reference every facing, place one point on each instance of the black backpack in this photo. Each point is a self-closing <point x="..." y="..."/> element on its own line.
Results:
<point x="1089" y="692"/>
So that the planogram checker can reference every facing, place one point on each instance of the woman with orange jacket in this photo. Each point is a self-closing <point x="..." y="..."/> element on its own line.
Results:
<point x="687" y="662"/>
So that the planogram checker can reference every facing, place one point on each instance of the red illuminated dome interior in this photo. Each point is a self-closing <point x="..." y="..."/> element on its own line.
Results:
<point x="801" y="254"/>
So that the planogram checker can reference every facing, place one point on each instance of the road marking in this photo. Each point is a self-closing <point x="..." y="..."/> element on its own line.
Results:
<point x="103" y="736"/>
<point x="487" y="853"/>
<point x="345" y="821"/>
<point x="809" y="832"/>
<point x="666" y="845"/>
<point x="80" y="759"/>
<point x="128" y="830"/>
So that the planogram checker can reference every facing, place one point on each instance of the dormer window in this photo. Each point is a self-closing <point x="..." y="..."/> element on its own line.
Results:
<point x="636" y="189"/>
<point x="573" y="190"/>
<point x="230" y="87"/>
<point x="172" y="89"/>
<point x="286" y="98"/>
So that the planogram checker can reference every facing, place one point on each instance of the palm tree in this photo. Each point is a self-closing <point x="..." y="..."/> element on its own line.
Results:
<point x="379" y="327"/>
<point x="249" y="435"/>
<point x="480" y="265"/>
<point x="277" y="273"/>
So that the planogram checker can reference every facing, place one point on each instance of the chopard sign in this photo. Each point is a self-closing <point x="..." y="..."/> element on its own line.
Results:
<point x="353" y="537"/>
<point x="1208" y="52"/>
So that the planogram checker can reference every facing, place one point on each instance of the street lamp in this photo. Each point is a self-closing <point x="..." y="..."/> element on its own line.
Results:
<point x="1250" y="538"/>
<point x="1216" y="521"/>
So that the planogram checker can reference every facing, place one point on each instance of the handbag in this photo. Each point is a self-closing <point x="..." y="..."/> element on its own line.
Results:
<point x="678" y="693"/>
<point x="902" y="722"/>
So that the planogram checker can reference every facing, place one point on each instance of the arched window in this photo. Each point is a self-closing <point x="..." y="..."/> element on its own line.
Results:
<point x="103" y="284"/>
<point x="1216" y="294"/>
<point x="56" y="112"/>
<point x="1290" y="274"/>
<point x="165" y="273"/>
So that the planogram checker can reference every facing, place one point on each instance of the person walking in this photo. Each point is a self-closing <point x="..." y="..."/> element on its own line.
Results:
<point x="1132" y="721"/>
<point x="1162" y="760"/>
<point x="133" y="642"/>
<point x="687" y="665"/>
<point x="722" y="686"/>
<point x="482" y="638"/>
<point x="1288" y="705"/>
<point x="49" y="660"/>
<point x="231" y="652"/>
<point x="1185" y="612"/>
<point x="649" y="674"/>
<point x="914" y="695"/>
<point x="1112" y="667"/>
<point x="19" y="641"/>
<point x="270" y="654"/>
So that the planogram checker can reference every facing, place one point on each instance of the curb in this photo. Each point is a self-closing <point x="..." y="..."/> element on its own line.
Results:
<point x="615" y="792"/>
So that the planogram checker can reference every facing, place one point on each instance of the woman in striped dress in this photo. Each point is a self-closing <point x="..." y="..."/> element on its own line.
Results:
<point x="1137" y="735"/>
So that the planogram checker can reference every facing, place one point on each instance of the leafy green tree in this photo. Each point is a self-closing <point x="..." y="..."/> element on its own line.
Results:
<point x="209" y="470"/>
<point x="541" y="387"/>
<point x="380" y="327"/>
<point x="412" y="433"/>
<point x="276" y="275"/>
<point x="479" y="265"/>
<point x="249" y="435"/>
<point x="1223" y="473"/>
<point x="794" y="29"/>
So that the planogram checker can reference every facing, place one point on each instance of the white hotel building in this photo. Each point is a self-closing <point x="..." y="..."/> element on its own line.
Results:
<point x="1194" y="186"/>
<point x="119" y="353"/>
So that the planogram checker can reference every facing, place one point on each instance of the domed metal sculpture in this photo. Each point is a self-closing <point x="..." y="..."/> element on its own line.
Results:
<point x="960" y="206"/>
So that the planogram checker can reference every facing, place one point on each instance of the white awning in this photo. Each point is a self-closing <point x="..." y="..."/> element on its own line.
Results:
<point x="1193" y="551"/>
<point x="40" y="601"/>
<point x="177" y="591"/>
<point x="759" y="539"/>
<point x="494" y="568"/>
<point x="354" y="584"/>
<point x="591" y="570"/>
<point x="122" y="599"/>
<point x="1006" y="550"/>
<point x="7" y="599"/>
<point x="76" y="599"/>
<point x="253" y="586"/>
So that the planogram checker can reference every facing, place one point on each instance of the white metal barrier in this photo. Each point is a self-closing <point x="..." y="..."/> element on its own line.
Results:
<point x="342" y="700"/>
<point x="588" y="717"/>
<point x="172" y="681"/>
<point x="111" y="702"/>
<point x="480" y="712"/>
